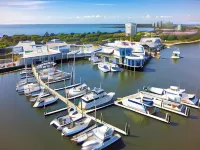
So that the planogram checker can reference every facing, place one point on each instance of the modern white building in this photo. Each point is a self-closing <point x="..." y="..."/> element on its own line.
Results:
<point x="125" y="53"/>
<point x="131" y="29"/>
<point x="51" y="51"/>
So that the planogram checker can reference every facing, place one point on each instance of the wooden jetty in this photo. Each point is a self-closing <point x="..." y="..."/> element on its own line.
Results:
<point x="55" y="111"/>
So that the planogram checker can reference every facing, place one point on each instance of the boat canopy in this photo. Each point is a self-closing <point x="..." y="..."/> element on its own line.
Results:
<point x="103" y="132"/>
<point x="97" y="90"/>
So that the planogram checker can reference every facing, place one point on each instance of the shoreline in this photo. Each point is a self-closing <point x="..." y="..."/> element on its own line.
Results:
<point x="178" y="43"/>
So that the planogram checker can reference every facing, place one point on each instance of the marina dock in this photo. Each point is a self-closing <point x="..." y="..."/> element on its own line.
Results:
<point x="164" y="102"/>
<point x="70" y="104"/>
<point x="55" y="111"/>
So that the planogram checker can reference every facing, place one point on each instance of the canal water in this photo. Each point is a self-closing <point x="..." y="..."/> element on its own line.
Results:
<point x="26" y="128"/>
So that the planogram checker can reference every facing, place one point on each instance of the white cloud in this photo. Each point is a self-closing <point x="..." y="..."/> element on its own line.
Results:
<point x="77" y="17"/>
<point x="98" y="16"/>
<point x="147" y="16"/>
<point x="165" y="16"/>
<point x="26" y="3"/>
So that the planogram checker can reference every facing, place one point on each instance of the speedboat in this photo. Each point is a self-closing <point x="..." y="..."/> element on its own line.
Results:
<point x="61" y="121"/>
<point x="96" y="97"/>
<point x="100" y="138"/>
<point x="115" y="68"/>
<point x="176" y="54"/>
<point x="45" y="65"/>
<point x="78" y="91"/>
<point x="45" y="101"/>
<point x="75" y="127"/>
<point x="140" y="103"/>
<point x="104" y="67"/>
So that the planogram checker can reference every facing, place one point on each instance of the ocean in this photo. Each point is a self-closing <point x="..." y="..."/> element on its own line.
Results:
<point x="41" y="29"/>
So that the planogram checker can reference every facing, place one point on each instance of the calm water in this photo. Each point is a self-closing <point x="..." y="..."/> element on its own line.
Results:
<point x="40" y="29"/>
<point x="24" y="127"/>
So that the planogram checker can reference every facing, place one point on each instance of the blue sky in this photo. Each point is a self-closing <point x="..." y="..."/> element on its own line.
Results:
<point x="98" y="11"/>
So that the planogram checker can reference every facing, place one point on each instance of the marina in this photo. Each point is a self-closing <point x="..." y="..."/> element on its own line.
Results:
<point x="112" y="113"/>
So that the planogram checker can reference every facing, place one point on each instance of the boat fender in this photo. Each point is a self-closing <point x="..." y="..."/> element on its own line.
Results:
<point x="168" y="118"/>
<point x="187" y="111"/>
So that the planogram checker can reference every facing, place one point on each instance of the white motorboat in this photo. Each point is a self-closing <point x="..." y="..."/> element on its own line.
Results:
<point x="96" y="97"/>
<point x="25" y="72"/>
<point x="32" y="89"/>
<point x="187" y="99"/>
<point x="104" y="67"/>
<point x="44" y="74"/>
<point x="23" y="82"/>
<point x="59" y="76"/>
<point x="175" y="94"/>
<point x="75" y="127"/>
<point x="45" y="65"/>
<point x="100" y="138"/>
<point x="164" y="94"/>
<point x="176" y="54"/>
<point x="21" y="89"/>
<point x="115" y="68"/>
<point x="78" y="91"/>
<point x="140" y="103"/>
<point x="61" y="121"/>
<point x="45" y="101"/>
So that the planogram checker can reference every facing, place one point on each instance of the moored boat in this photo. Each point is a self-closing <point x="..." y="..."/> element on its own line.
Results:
<point x="100" y="138"/>
<point x="104" y="67"/>
<point x="61" y="121"/>
<point x="78" y="91"/>
<point x="45" y="101"/>
<point x="140" y="103"/>
<point x="75" y="127"/>
<point x="96" y="97"/>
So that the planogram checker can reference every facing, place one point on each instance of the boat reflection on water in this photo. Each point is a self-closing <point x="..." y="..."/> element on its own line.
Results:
<point x="137" y="118"/>
<point x="175" y="60"/>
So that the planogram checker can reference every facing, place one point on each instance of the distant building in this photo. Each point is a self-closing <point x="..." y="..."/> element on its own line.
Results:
<point x="180" y="27"/>
<point x="153" y="43"/>
<point x="131" y="29"/>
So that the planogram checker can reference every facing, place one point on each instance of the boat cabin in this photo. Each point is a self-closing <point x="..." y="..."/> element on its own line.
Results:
<point x="95" y="94"/>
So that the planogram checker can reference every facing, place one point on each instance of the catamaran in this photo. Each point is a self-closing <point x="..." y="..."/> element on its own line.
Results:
<point x="61" y="121"/>
<point x="95" y="97"/>
<point x="75" y="127"/>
